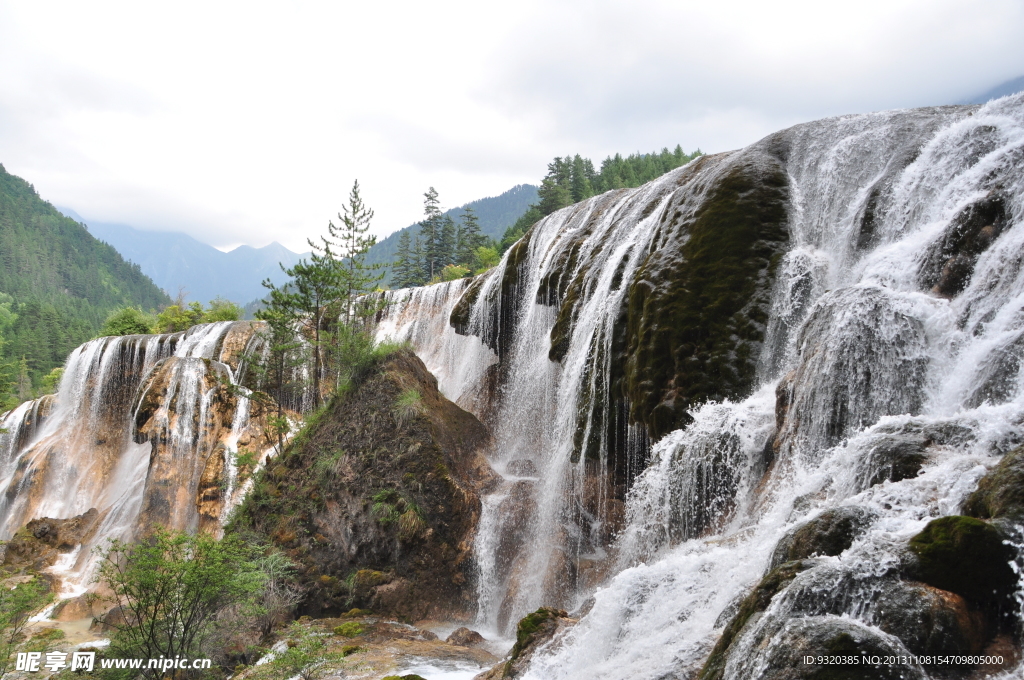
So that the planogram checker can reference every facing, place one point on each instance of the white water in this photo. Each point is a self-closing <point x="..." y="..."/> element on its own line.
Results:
<point x="80" y="448"/>
<point x="851" y="325"/>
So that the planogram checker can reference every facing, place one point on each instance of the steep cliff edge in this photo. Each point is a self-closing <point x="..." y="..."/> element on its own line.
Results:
<point x="378" y="500"/>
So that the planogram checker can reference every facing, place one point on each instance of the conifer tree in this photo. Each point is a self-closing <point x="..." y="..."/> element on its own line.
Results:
<point x="446" y="242"/>
<point x="404" y="269"/>
<point x="469" y="239"/>
<point x="430" y="234"/>
<point x="351" y="242"/>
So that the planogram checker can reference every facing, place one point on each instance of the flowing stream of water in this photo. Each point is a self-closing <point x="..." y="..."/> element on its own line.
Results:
<point x="866" y="351"/>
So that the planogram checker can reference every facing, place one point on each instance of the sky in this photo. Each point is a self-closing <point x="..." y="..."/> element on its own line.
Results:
<point x="247" y="122"/>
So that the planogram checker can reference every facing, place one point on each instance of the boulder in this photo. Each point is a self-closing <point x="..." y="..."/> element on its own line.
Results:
<point x="1000" y="493"/>
<point x="464" y="637"/>
<point x="968" y="557"/>
<point x="830" y="533"/>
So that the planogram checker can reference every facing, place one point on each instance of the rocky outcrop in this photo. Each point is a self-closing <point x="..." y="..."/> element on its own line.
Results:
<point x="378" y="500"/>
<point x="534" y="632"/>
<point x="41" y="542"/>
<point x="1000" y="493"/>
<point x="186" y="411"/>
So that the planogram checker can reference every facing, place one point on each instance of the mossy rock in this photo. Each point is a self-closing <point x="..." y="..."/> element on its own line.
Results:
<point x="928" y="620"/>
<point x="1000" y="493"/>
<point x="968" y="557"/>
<point x="410" y="676"/>
<point x="757" y="601"/>
<point x="830" y="533"/>
<point x="533" y="628"/>
<point x="831" y="636"/>
<point x="698" y="305"/>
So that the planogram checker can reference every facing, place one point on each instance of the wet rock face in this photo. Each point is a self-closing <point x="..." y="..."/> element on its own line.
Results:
<point x="464" y="637"/>
<point x="862" y="356"/>
<point x="928" y="620"/>
<point x="533" y="631"/>
<point x="185" y="411"/>
<point x="830" y="636"/>
<point x="950" y="262"/>
<point x="968" y="557"/>
<point x="379" y="501"/>
<point x="697" y="307"/>
<point x="830" y="533"/>
<point x="1000" y="493"/>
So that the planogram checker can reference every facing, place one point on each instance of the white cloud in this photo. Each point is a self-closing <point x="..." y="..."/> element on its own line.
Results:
<point x="247" y="122"/>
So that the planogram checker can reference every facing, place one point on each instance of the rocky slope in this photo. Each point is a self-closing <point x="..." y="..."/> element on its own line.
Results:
<point x="378" y="501"/>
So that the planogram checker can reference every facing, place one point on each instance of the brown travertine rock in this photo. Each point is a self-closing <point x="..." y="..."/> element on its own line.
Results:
<point x="464" y="637"/>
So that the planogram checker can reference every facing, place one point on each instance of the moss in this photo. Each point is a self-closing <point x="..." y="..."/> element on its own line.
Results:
<point x="530" y="625"/>
<point x="698" y="304"/>
<point x="757" y="601"/>
<point x="348" y="650"/>
<point x="410" y="676"/>
<point x="968" y="557"/>
<point x="348" y="629"/>
<point x="1000" y="493"/>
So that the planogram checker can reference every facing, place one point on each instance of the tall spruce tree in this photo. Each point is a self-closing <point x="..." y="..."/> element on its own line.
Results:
<point x="469" y="238"/>
<point x="430" y="234"/>
<point x="404" y="269"/>
<point x="446" y="242"/>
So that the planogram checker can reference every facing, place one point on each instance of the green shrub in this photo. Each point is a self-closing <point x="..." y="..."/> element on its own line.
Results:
<point x="349" y="629"/>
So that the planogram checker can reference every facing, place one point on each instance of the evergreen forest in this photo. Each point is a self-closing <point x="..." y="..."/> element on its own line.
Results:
<point x="58" y="284"/>
<point x="445" y="249"/>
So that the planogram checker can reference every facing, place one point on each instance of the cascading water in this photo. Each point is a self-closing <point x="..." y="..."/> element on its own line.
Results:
<point x="141" y="428"/>
<point x="894" y="317"/>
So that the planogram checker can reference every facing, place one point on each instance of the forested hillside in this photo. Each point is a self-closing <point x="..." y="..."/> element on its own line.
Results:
<point x="495" y="215"/>
<point x="57" y="285"/>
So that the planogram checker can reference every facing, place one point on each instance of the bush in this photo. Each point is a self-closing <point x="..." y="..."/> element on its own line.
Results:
<point x="127" y="321"/>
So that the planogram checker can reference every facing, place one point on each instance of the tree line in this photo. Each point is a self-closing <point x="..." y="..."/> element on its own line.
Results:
<point x="444" y="250"/>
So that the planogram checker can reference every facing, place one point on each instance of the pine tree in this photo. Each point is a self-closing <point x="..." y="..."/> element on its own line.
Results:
<point x="469" y="239"/>
<point x="351" y="244"/>
<point x="419" y="259"/>
<point x="430" y="234"/>
<point x="404" y="269"/>
<point x="446" y="242"/>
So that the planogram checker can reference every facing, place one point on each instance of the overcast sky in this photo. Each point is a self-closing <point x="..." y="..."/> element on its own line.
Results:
<point x="248" y="122"/>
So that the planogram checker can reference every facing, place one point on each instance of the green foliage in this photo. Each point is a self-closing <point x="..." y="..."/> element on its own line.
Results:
<point x="573" y="179"/>
<point x="452" y="272"/>
<point x="304" y="655"/>
<point x="485" y="258"/>
<point x="222" y="310"/>
<point x="349" y="629"/>
<point x="52" y="380"/>
<point x="16" y="606"/>
<point x="171" y="587"/>
<point x="128" y="321"/>
<point x="57" y="283"/>
<point x="178" y="317"/>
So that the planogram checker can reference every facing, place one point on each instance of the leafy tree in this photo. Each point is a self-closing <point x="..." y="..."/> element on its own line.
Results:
<point x="485" y="258"/>
<point x="222" y="310"/>
<point x="16" y="606"/>
<point x="52" y="380"/>
<point x="178" y="317"/>
<point x="171" y="587"/>
<point x="278" y="366"/>
<point x="454" y="271"/>
<point x="127" y="321"/>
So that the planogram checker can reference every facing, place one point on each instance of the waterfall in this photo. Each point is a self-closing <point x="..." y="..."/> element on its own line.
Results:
<point x="143" y="428"/>
<point x="886" y="308"/>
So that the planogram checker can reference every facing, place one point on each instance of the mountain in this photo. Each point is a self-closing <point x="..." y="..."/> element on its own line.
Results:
<point x="59" y="281"/>
<point x="495" y="214"/>
<point x="176" y="261"/>
<point x="1009" y="87"/>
